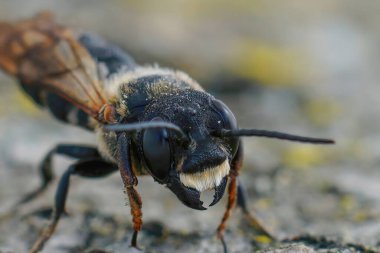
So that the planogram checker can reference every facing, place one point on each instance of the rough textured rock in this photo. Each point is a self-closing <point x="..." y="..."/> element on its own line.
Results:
<point x="306" y="68"/>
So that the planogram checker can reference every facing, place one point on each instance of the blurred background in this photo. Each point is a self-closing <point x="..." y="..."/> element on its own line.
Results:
<point x="309" y="68"/>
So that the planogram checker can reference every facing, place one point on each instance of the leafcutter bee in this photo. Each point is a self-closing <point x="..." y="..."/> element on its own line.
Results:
<point x="148" y="120"/>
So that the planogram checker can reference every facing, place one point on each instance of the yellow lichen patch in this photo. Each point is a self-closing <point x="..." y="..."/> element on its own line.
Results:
<point x="264" y="203"/>
<point x="263" y="239"/>
<point x="322" y="112"/>
<point x="24" y="103"/>
<point x="102" y="228"/>
<point x="303" y="157"/>
<point x="362" y="215"/>
<point x="270" y="65"/>
<point x="347" y="203"/>
<point x="3" y="106"/>
<point x="348" y="206"/>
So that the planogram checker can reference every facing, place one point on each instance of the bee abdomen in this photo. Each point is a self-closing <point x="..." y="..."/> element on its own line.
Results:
<point x="107" y="55"/>
<point x="67" y="112"/>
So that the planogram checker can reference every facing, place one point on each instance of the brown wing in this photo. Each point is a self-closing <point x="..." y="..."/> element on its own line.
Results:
<point x="46" y="55"/>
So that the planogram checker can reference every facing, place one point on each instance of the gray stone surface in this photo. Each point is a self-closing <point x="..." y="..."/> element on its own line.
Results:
<point x="323" y="63"/>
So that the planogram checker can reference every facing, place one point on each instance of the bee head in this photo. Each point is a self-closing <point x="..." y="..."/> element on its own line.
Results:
<point x="196" y="161"/>
<point x="187" y="140"/>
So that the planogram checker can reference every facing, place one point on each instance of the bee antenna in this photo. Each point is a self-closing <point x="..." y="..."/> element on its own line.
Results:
<point x="272" y="134"/>
<point x="133" y="127"/>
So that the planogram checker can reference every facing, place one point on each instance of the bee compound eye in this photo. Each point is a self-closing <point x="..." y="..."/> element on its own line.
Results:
<point x="156" y="150"/>
<point x="228" y="118"/>
<point x="229" y="123"/>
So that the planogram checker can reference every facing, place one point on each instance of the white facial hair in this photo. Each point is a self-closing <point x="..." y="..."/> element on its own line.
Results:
<point x="206" y="179"/>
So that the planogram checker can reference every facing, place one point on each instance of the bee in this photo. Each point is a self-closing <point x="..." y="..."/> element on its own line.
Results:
<point x="148" y="120"/>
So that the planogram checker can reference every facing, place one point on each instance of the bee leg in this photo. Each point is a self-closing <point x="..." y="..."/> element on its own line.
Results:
<point x="46" y="172"/>
<point x="130" y="183"/>
<point x="92" y="168"/>
<point x="236" y="165"/>
<point x="236" y="194"/>
<point x="253" y="221"/>
<point x="136" y="204"/>
<point x="242" y="199"/>
<point x="230" y="205"/>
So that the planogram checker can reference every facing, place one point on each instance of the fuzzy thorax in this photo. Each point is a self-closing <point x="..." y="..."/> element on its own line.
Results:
<point x="207" y="179"/>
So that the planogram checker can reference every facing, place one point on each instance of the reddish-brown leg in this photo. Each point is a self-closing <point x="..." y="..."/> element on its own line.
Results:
<point x="230" y="205"/>
<point x="130" y="183"/>
<point x="136" y="204"/>
<point x="233" y="193"/>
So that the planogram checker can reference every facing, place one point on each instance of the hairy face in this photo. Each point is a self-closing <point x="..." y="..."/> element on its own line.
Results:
<point x="203" y="163"/>
<point x="207" y="179"/>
